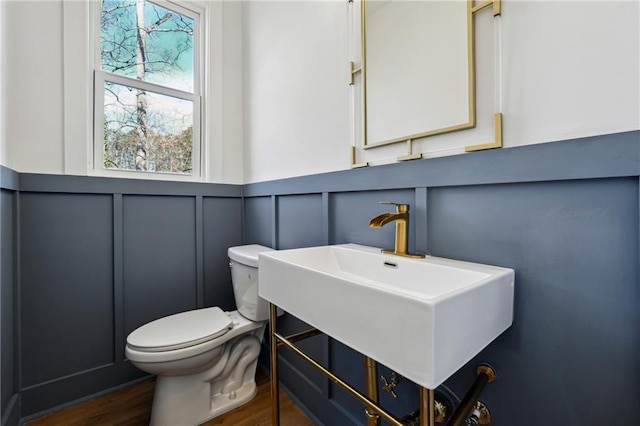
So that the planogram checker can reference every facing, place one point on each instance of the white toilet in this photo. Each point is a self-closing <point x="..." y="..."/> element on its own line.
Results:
<point x="205" y="359"/>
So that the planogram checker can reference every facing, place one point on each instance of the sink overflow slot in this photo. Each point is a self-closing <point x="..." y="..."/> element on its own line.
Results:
<point x="390" y="264"/>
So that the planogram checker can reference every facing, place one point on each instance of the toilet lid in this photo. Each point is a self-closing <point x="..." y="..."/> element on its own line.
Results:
<point x="180" y="330"/>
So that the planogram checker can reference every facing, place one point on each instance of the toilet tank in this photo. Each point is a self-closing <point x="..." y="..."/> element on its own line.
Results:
<point x="244" y="275"/>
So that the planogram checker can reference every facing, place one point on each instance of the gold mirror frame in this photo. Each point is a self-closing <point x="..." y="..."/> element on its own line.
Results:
<point x="472" y="9"/>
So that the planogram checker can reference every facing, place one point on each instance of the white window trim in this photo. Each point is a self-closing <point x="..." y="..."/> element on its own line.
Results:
<point x="81" y="19"/>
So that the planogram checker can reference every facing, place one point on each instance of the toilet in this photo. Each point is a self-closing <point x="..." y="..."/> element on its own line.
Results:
<point x="205" y="360"/>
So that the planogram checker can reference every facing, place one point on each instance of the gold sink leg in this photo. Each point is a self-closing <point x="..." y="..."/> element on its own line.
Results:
<point x="275" y="390"/>
<point x="427" y="408"/>
<point x="371" y="376"/>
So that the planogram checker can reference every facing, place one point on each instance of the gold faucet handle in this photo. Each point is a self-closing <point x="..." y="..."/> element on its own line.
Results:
<point x="390" y="385"/>
<point x="400" y="208"/>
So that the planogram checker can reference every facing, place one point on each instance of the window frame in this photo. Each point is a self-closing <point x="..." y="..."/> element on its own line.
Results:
<point x="100" y="77"/>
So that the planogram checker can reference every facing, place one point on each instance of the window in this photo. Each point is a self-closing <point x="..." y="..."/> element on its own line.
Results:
<point x="147" y="89"/>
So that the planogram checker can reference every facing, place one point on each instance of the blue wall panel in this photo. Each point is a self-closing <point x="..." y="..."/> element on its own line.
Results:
<point x="222" y="229"/>
<point x="300" y="221"/>
<point x="258" y="221"/>
<point x="159" y="258"/>
<point x="574" y="247"/>
<point x="8" y="386"/>
<point x="66" y="296"/>
<point x="350" y="213"/>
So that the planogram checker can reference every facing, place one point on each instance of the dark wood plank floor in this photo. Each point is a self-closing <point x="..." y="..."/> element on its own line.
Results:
<point x="132" y="407"/>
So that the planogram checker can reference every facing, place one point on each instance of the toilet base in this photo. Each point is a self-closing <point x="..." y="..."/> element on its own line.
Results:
<point x="194" y="399"/>
<point x="181" y="413"/>
<point x="224" y="403"/>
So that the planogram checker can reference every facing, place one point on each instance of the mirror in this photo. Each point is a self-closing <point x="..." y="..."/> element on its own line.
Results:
<point x="417" y="69"/>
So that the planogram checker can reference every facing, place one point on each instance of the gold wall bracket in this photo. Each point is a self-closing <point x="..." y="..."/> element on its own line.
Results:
<point x="496" y="5"/>
<point x="354" y="163"/>
<point x="497" y="143"/>
<point x="352" y="72"/>
<point x="410" y="155"/>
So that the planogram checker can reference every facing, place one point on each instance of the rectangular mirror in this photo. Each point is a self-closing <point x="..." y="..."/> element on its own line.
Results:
<point x="417" y="69"/>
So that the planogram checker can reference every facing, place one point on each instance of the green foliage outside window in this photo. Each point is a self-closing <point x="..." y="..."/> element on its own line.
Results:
<point x="145" y="128"/>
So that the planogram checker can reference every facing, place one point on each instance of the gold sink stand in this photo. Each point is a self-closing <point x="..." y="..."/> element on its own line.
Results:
<point x="373" y="411"/>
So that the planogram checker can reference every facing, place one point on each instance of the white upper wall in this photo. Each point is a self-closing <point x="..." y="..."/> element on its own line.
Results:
<point x="4" y="155"/>
<point x="569" y="69"/>
<point x="48" y="122"/>
<point x="296" y="98"/>
<point x="32" y="61"/>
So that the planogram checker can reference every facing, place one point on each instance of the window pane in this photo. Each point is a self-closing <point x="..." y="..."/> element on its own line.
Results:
<point x="147" y="131"/>
<point x="142" y="40"/>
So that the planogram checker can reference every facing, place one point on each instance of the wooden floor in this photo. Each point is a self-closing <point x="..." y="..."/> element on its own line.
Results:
<point x="132" y="407"/>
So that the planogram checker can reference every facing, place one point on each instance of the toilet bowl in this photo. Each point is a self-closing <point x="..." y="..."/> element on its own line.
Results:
<point x="205" y="360"/>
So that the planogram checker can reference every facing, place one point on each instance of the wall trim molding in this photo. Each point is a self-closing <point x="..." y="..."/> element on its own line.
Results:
<point x="54" y="395"/>
<point x="602" y="156"/>
<point x="30" y="182"/>
<point x="85" y="398"/>
<point x="68" y="376"/>
<point x="9" y="179"/>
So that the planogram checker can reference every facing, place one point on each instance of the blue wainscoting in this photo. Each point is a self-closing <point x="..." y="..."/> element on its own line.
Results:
<point x="9" y="393"/>
<point x="563" y="215"/>
<point x="574" y="247"/>
<point x="86" y="260"/>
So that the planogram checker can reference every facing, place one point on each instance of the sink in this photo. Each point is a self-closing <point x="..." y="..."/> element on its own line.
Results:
<point x="423" y="318"/>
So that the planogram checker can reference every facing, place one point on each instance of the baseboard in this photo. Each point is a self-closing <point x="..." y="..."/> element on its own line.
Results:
<point x="11" y="416"/>
<point x="83" y="399"/>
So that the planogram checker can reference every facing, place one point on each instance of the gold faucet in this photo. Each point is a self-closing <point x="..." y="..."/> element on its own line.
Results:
<point x="401" y="218"/>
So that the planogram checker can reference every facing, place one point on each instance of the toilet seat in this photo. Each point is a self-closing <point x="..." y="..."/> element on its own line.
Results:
<point x="180" y="330"/>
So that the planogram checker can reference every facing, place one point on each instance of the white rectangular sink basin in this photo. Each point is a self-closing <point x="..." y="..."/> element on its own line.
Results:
<point x="423" y="318"/>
